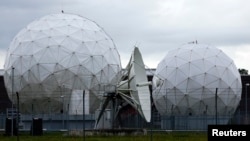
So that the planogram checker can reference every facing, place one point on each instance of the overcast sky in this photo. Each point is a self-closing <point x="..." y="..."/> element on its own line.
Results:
<point x="155" y="26"/>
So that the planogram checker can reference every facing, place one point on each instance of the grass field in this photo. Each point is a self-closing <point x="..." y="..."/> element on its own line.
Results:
<point x="58" y="136"/>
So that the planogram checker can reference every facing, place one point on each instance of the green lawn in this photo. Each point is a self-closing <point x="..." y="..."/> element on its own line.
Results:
<point x="172" y="136"/>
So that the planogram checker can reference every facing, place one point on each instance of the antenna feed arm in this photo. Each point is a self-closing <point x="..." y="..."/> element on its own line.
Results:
<point x="144" y="84"/>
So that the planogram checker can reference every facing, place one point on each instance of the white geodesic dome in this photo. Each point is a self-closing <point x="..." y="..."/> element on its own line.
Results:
<point x="186" y="80"/>
<point x="57" y="54"/>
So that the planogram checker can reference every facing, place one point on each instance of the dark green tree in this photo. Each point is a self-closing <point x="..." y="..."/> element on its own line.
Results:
<point x="243" y="71"/>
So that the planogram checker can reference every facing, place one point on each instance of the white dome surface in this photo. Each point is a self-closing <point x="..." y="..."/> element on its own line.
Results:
<point x="61" y="51"/>
<point x="185" y="82"/>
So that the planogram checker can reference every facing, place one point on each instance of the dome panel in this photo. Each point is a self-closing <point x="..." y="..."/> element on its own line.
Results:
<point x="206" y="69"/>
<point x="61" y="51"/>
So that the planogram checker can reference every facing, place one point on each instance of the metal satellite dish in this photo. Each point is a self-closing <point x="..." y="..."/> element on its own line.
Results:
<point x="134" y="90"/>
<point x="138" y="86"/>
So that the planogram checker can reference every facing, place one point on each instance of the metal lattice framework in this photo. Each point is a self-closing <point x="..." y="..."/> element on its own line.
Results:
<point x="186" y="80"/>
<point x="60" y="51"/>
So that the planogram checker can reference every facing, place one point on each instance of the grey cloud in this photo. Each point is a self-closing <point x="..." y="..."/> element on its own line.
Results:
<point x="155" y="25"/>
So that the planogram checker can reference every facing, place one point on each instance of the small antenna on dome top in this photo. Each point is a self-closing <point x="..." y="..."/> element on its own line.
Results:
<point x="193" y="42"/>
<point x="62" y="5"/>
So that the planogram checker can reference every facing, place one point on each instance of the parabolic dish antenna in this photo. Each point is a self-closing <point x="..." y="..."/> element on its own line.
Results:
<point x="134" y="90"/>
<point x="137" y="85"/>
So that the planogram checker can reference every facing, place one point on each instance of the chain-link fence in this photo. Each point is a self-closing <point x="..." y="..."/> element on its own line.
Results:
<point x="67" y="116"/>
